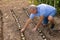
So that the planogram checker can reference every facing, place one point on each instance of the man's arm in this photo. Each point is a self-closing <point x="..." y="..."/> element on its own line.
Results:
<point x="39" y="23"/>
<point x="26" y="25"/>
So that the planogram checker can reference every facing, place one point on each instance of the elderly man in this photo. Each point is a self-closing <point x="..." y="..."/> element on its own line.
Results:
<point x="44" y="12"/>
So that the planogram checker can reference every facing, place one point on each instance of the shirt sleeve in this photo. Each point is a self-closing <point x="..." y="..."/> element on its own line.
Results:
<point x="32" y="16"/>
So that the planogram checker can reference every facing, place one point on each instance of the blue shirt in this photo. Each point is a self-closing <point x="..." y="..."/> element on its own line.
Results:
<point x="43" y="10"/>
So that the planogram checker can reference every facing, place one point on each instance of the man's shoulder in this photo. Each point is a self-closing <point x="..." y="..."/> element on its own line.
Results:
<point x="40" y="5"/>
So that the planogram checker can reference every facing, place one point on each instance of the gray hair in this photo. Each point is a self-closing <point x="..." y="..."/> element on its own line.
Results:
<point x="32" y="7"/>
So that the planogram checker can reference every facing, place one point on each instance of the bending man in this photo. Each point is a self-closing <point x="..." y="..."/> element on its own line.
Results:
<point x="45" y="13"/>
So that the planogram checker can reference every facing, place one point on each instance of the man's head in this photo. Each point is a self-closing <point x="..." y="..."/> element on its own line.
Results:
<point x="32" y="9"/>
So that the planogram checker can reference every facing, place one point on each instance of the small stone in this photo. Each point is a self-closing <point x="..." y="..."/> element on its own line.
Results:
<point x="23" y="38"/>
<point x="43" y="36"/>
<point x="45" y="39"/>
<point x="22" y="35"/>
<point x="40" y="31"/>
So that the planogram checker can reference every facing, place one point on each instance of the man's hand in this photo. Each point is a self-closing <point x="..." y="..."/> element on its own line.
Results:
<point x="23" y="29"/>
<point x="34" y="29"/>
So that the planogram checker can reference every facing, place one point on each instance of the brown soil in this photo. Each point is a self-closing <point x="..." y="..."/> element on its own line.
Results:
<point x="10" y="27"/>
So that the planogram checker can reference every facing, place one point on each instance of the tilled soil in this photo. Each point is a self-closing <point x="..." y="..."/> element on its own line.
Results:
<point x="10" y="26"/>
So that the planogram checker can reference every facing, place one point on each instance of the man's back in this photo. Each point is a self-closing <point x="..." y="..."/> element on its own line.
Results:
<point x="44" y="9"/>
<point x="46" y="6"/>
